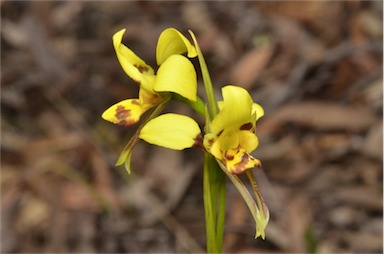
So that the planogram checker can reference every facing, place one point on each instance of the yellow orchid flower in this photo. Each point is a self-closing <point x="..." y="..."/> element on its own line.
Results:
<point x="176" y="74"/>
<point x="232" y="136"/>
<point x="230" y="139"/>
<point x="232" y="132"/>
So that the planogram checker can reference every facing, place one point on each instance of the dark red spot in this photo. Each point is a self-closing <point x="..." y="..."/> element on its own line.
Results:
<point x="198" y="142"/>
<point x="142" y="69"/>
<point x="246" y="127"/>
<point x="228" y="157"/>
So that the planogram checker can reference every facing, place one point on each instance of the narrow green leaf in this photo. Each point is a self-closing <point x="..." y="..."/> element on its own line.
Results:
<point x="212" y="104"/>
<point x="209" y="209"/>
<point x="221" y="182"/>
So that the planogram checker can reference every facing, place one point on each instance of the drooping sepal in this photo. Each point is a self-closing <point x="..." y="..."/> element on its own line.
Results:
<point x="261" y="213"/>
<point x="171" y="131"/>
<point x="258" y="207"/>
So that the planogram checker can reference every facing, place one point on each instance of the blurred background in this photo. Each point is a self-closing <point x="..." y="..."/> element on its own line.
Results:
<point x="316" y="67"/>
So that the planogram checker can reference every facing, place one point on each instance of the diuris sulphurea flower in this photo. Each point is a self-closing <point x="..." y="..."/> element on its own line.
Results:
<point x="176" y="74"/>
<point x="232" y="135"/>
<point x="232" y="132"/>
<point x="230" y="139"/>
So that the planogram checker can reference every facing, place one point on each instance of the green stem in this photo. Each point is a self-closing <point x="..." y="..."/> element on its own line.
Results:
<point x="197" y="105"/>
<point x="209" y="207"/>
<point x="221" y="207"/>
<point x="214" y="179"/>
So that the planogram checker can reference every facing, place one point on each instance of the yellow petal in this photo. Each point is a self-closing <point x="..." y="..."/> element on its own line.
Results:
<point x="177" y="75"/>
<point x="216" y="151"/>
<point x="220" y="104"/>
<point x="248" y="140"/>
<point x="125" y="113"/>
<point x="228" y="140"/>
<point x="171" y="131"/>
<point x="172" y="42"/>
<point x="258" y="110"/>
<point x="133" y="65"/>
<point x="212" y="145"/>
<point x="236" y="111"/>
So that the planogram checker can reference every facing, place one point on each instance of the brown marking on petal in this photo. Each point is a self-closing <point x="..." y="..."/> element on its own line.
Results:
<point x="198" y="142"/>
<point x="241" y="166"/>
<point x="126" y="122"/>
<point x="246" y="127"/>
<point x="237" y="171"/>
<point x="136" y="102"/>
<point x="209" y="143"/>
<point x="244" y="159"/>
<point x="154" y="99"/>
<point x="123" y="114"/>
<point x="150" y="98"/>
<point x="123" y="122"/>
<point x="228" y="157"/>
<point x="218" y="134"/>
<point x="142" y="69"/>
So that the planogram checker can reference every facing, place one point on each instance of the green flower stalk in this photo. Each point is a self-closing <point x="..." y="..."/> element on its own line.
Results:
<point x="227" y="140"/>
